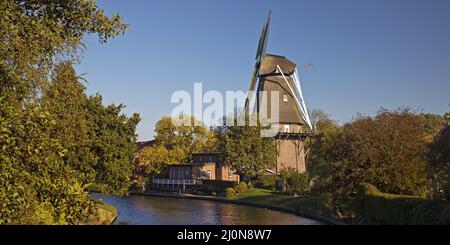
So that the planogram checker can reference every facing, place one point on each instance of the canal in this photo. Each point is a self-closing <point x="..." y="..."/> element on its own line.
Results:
<point x="136" y="210"/>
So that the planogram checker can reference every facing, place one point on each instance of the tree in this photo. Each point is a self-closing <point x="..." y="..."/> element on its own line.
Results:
<point x="432" y="123"/>
<point x="154" y="159"/>
<point x="243" y="149"/>
<point x="439" y="168"/>
<point x="387" y="151"/>
<point x="189" y="138"/>
<point x="175" y="144"/>
<point x="323" y="148"/>
<point x="38" y="34"/>
<point x="321" y="120"/>
<point x="65" y="98"/>
<point x="38" y="183"/>
<point x="114" y="143"/>
<point x="36" y="186"/>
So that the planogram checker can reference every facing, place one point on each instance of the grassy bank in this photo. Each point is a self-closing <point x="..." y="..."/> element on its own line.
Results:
<point x="312" y="206"/>
<point x="384" y="208"/>
<point x="106" y="214"/>
<point x="373" y="207"/>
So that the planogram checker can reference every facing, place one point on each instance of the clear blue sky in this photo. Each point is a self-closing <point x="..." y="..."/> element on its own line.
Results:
<point x="366" y="54"/>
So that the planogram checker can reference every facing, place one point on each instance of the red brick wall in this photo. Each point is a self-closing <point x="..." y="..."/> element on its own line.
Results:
<point x="291" y="155"/>
<point x="197" y="170"/>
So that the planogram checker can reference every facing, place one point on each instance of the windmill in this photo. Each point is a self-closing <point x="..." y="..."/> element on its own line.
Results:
<point x="278" y="73"/>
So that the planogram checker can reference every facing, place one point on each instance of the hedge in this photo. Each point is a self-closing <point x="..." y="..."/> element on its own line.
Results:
<point x="384" y="208"/>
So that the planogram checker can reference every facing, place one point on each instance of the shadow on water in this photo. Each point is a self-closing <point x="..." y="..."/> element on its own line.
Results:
<point x="180" y="211"/>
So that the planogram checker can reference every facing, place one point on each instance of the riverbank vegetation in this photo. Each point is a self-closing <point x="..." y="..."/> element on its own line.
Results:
<point x="106" y="215"/>
<point x="312" y="205"/>
<point x="55" y="140"/>
<point x="173" y="144"/>
<point x="390" y="151"/>
<point x="401" y="154"/>
<point x="373" y="170"/>
<point x="242" y="146"/>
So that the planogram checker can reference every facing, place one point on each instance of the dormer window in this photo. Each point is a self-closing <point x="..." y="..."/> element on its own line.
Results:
<point x="286" y="128"/>
<point x="285" y="98"/>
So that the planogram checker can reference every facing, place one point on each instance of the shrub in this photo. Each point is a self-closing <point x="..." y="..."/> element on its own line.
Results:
<point x="242" y="187"/>
<point x="231" y="193"/>
<point x="297" y="183"/>
<point x="266" y="182"/>
<point x="384" y="208"/>
<point x="219" y="185"/>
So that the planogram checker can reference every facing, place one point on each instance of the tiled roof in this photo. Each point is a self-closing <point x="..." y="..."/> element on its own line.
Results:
<point x="143" y="144"/>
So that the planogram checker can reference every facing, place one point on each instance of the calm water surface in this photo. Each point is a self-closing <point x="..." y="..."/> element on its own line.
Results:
<point x="151" y="210"/>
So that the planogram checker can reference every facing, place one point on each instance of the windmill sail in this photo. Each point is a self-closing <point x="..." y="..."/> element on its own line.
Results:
<point x="302" y="100"/>
<point x="260" y="53"/>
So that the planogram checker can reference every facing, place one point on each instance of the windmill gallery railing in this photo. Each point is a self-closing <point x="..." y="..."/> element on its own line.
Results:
<point x="180" y="182"/>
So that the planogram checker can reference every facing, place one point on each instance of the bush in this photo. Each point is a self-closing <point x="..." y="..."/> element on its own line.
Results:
<point x="212" y="187"/>
<point x="231" y="193"/>
<point x="297" y="183"/>
<point x="219" y="185"/>
<point x="266" y="182"/>
<point x="137" y="186"/>
<point x="384" y="208"/>
<point x="242" y="187"/>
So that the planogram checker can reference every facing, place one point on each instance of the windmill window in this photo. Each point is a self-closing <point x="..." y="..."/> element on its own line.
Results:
<point x="285" y="98"/>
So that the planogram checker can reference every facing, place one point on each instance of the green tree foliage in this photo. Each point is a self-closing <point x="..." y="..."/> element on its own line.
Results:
<point x="297" y="183"/>
<point x="65" y="98"/>
<point x="53" y="138"/>
<point x="323" y="149"/>
<point x="175" y="144"/>
<point x="154" y="159"/>
<point x="37" y="34"/>
<point x="243" y="149"/>
<point x="190" y="138"/>
<point x="114" y="144"/>
<point x="36" y="186"/>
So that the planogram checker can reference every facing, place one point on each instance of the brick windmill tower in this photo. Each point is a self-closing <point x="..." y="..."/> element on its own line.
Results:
<point x="278" y="73"/>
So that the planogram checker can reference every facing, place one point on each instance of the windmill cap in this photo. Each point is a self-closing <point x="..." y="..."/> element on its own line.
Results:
<point x="270" y="62"/>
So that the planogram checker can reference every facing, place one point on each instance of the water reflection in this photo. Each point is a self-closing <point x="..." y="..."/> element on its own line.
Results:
<point x="179" y="211"/>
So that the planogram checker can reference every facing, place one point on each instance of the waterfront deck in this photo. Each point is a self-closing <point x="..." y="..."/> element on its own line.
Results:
<point x="178" y="182"/>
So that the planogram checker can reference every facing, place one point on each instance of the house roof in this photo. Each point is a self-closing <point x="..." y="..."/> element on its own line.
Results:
<point x="143" y="144"/>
